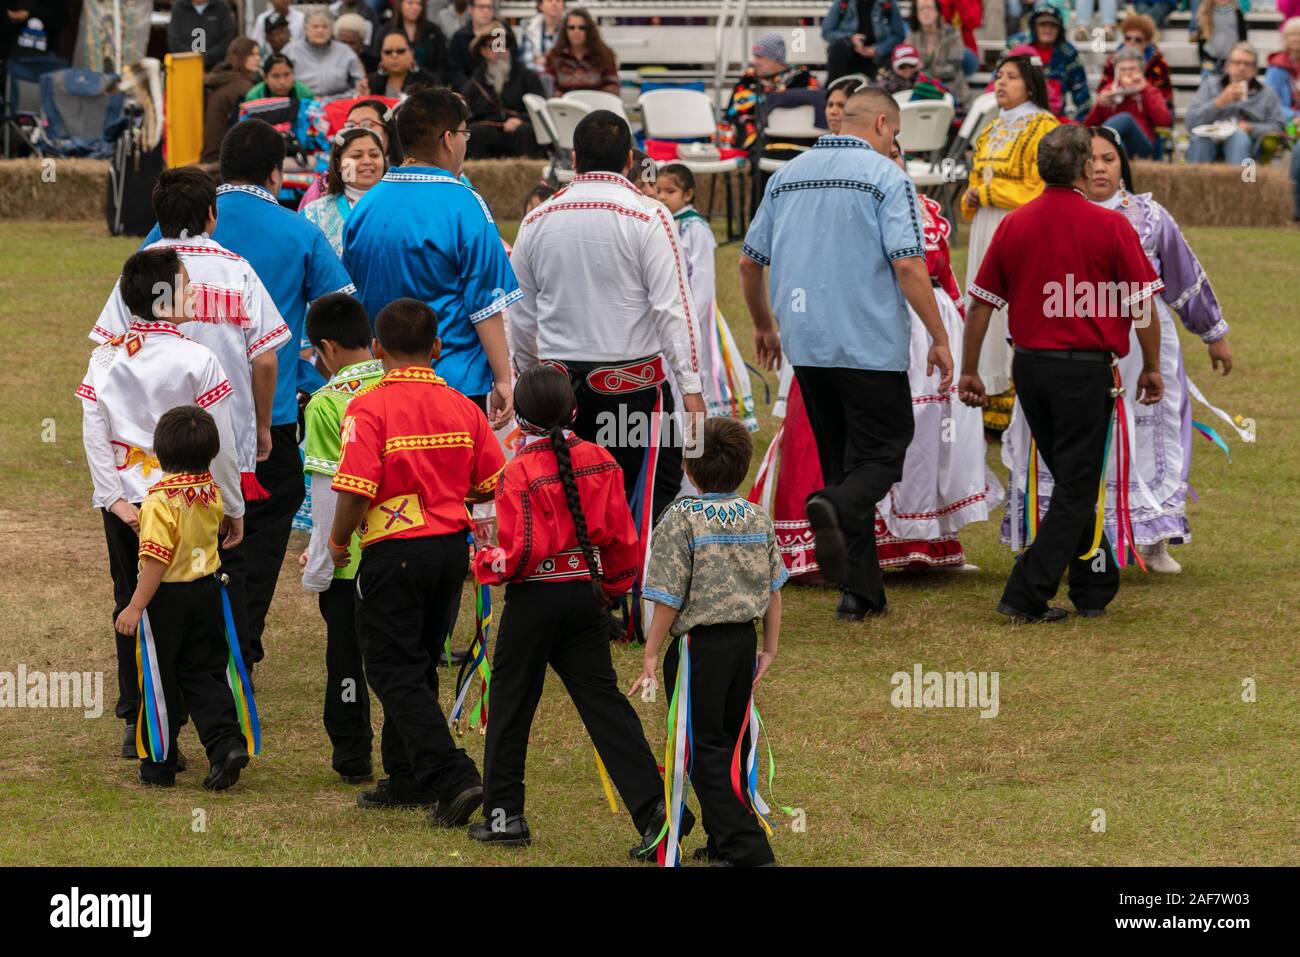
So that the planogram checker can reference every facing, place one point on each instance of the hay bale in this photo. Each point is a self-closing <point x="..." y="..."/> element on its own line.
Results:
<point x="503" y="183"/>
<point x="1217" y="194"/>
<point x="53" y="189"/>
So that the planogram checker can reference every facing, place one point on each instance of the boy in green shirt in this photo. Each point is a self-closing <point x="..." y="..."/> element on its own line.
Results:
<point x="340" y="333"/>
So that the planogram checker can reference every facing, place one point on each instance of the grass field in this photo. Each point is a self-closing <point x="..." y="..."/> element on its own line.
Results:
<point x="1139" y="714"/>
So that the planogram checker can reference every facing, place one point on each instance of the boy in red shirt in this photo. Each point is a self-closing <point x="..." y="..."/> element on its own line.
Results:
<point x="414" y="452"/>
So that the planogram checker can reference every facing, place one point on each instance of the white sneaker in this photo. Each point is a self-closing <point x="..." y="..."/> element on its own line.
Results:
<point x="1158" y="559"/>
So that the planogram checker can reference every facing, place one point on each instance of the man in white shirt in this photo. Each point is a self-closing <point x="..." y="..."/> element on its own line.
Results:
<point x="606" y="300"/>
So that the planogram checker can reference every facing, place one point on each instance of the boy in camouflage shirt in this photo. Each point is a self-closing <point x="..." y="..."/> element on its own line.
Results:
<point x="714" y="569"/>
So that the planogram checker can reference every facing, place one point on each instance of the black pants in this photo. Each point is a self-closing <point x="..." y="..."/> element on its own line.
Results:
<point x="722" y="676"/>
<point x="842" y="59"/>
<point x="602" y="419"/>
<point x="123" y="562"/>
<point x="189" y="635"/>
<point x="1068" y="405"/>
<point x="560" y="624"/>
<point x="404" y="587"/>
<point x="266" y="531"/>
<point x="234" y="565"/>
<point x="489" y="140"/>
<point x="862" y="422"/>
<point x="347" y="700"/>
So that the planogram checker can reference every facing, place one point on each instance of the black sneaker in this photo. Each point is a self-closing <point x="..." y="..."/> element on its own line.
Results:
<point x="384" y="796"/>
<point x="1047" y="617"/>
<point x="513" y="833"/>
<point x="457" y="811"/>
<point x="128" y="742"/>
<point x="645" y="851"/>
<point x="224" y="773"/>
<point x="828" y="539"/>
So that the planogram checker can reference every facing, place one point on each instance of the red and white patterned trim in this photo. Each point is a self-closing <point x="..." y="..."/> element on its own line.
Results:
<point x="682" y="290"/>
<point x="612" y="207"/>
<point x="273" y="338"/>
<point x="156" y="326"/>
<point x="983" y="295"/>
<point x="87" y="392"/>
<point x="155" y="550"/>
<point x="99" y="334"/>
<point x="213" y="250"/>
<point x="214" y="395"/>
<point x="614" y="179"/>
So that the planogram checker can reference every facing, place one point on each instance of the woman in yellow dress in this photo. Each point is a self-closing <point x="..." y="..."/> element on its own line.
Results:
<point x="1003" y="177"/>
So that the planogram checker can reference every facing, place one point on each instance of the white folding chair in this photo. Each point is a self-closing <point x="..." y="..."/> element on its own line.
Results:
<point x="859" y="78"/>
<point x="557" y="171"/>
<point x="598" y="100"/>
<point x="795" y="122"/>
<point x="565" y="116"/>
<point x="678" y="114"/>
<point x="924" y="125"/>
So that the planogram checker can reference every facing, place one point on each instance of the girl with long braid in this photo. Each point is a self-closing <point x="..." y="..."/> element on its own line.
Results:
<point x="567" y="548"/>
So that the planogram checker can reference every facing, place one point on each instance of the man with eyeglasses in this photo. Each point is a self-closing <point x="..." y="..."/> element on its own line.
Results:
<point x="1235" y="97"/>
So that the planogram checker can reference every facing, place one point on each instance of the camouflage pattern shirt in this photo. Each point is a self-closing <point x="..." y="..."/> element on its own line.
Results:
<point x="713" y="558"/>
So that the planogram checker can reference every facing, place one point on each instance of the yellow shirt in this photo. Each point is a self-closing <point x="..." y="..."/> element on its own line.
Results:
<point x="179" y="519"/>
<point x="1005" y="164"/>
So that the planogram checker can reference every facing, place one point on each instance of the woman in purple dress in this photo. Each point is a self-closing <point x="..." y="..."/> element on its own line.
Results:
<point x="1161" y="446"/>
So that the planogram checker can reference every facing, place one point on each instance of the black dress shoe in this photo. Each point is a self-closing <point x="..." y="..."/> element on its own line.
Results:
<point x="224" y="773"/>
<point x="457" y="811"/>
<point x="384" y="796"/>
<point x="853" y="608"/>
<point x="128" y="742"/>
<point x="645" y="851"/>
<point x="831" y="551"/>
<point x="356" y="776"/>
<point x="156" y="776"/>
<point x="1090" y="612"/>
<point x="704" y="855"/>
<point x="1047" y="617"/>
<point x="513" y="833"/>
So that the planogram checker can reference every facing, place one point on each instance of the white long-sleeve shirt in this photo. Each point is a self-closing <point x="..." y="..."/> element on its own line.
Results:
<point x="601" y="269"/>
<point x="130" y="382"/>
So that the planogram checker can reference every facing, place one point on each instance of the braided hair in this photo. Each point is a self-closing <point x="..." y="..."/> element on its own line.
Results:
<point x="544" y="405"/>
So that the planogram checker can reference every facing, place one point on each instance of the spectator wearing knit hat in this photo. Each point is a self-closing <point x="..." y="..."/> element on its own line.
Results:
<point x="768" y="72"/>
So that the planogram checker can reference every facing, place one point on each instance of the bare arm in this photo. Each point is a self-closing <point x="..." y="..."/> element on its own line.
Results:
<point x="349" y="509"/>
<point x="146" y="586"/>
<point x="767" y="343"/>
<point x="914" y="280"/>
<point x="660" y="622"/>
<point x="264" y="370"/>
<point x="492" y="334"/>
<point x="771" y="635"/>
<point x="970" y="388"/>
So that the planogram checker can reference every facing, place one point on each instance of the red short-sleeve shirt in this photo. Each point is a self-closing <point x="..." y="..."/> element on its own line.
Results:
<point x="416" y="448"/>
<point x="1071" y="274"/>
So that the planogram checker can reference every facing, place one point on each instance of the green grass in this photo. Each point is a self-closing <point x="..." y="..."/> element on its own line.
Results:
<point x="1139" y="714"/>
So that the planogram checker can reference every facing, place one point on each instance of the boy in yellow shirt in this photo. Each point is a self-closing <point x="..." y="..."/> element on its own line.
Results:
<point x="177" y="608"/>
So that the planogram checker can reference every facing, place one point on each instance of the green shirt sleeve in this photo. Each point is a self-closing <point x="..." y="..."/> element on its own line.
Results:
<point x="323" y="418"/>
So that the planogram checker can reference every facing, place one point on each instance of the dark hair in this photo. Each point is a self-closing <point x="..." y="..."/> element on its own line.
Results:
<point x="541" y="191"/>
<point x="250" y="152"/>
<point x="143" y="274"/>
<point x="914" y="21"/>
<point x="1035" y="82"/>
<point x="512" y="43"/>
<point x="186" y="439"/>
<point x="339" y="318"/>
<point x="725" y="459"/>
<point x="238" y="52"/>
<point x="849" y="84"/>
<point x="643" y="168"/>
<point x="182" y="199"/>
<point x="680" y="172"/>
<point x="601" y="142"/>
<point x="544" y="397"/>
<point x="601" y="56"/>
<point x="276" y="21"/>
<point x="406" y="327"/>
<point x="334" y="182"/>
<point x="425" y="116"/>
<point x="275" y="59"/>
<point x="379" y="106"/>
<point x="1111" y="137"/>
<point x="1063" y="154"/>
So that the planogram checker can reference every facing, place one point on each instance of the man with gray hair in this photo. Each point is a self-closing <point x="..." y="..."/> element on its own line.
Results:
<point x="1073" y="278"/>
<point x="1235" y="97"/>
<point x="841" y="230"/>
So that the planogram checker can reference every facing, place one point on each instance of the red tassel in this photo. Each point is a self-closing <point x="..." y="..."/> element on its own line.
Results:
<point x="253" y="490"/>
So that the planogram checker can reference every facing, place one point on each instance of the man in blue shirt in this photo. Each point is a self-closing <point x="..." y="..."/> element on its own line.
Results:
<point x="422" y="233"/>
<point x="297" y="265"/>
<point x="841" y="230"/>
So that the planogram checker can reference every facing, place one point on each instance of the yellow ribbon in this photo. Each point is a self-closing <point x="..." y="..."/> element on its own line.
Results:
<point x="138" y="456"/>
<point x="605" y="783"/>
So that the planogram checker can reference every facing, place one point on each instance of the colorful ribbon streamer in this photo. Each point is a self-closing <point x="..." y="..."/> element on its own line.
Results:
<point x="152" y="731"/>
<point x="1212" y="436"/>
<point x="241" y="686"/>
<point x="643" y="519"/>
<point x="606" y="785"/>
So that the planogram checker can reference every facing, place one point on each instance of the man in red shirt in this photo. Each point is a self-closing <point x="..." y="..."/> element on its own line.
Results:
<point x="414" y="451"/>
<point x="1073" y="278"/>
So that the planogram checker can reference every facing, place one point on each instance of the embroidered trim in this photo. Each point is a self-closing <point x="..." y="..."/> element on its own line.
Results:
<point x="780" y="579"/>
<point x="1146" y="292"/>
<point x="1216" y="332"/>
<point x="604" y="177"/>
<point x="314" y="463"/>
<point x="251" y="190"/>
<point x="751" y="538"/>
<point x="417" y="443"/>
<point x="492" y="308"/>
<point x="214" y="395"/>
<point x="354" y="483"/>
<point x="489" y="483"/>
<point x="156" y="325"/>
<point x="396" y="176"/>
<point x="682" y="291"/>
<point x="155" y="550"/>
<point x="87" y="392"/>
<point x="182" y="480"/>
<point x="870" y="188"/>
<point x="348" y="379"/>
<point x="906" y="253"/>
<point x="214" y="250"/>
<point x="662" y="597"/>
<point x="413" y="374"/>
<point x="273" y="337"/>
<point x="985" y="296"/>
<point x="755" y="255"/>
<point x="1188" y="293"/>
<point x="98" y="330"/>
<point x="613" y="207"/>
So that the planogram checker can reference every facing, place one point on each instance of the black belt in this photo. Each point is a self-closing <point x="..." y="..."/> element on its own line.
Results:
<point x="1080" y="355"/>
